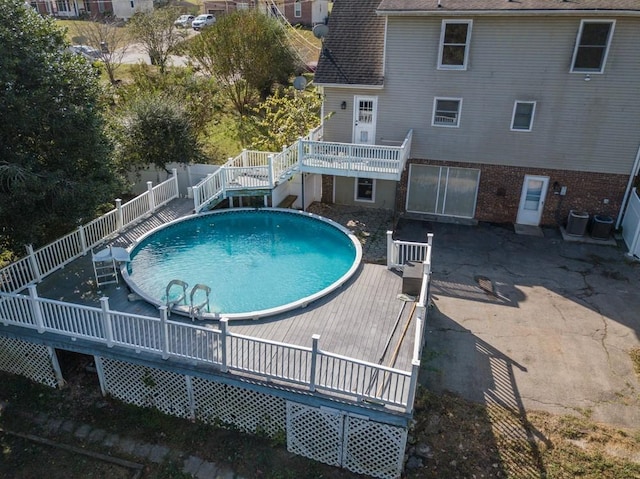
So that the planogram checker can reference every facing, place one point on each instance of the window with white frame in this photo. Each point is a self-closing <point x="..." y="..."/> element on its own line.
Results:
<point x="592" y="46"/>
<point x="297" y="9"/>
<point x="454" y="44"/>
<point x="365" y="190"/>
<point x="446" y="112"/>
<point x="523" y="112"/>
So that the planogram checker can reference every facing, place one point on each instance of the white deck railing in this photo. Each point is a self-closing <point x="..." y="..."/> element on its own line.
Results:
<point x="290" y="364"/>
<point x="401" y="252"/>
<point x="265" y="170"/>
<point x="43" y="261"/>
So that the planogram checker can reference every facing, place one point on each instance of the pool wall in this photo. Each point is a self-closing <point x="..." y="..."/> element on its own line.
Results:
<point x="300" y="303"/>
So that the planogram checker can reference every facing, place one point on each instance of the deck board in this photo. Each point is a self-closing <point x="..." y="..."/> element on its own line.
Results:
<point x="356" y="320"/>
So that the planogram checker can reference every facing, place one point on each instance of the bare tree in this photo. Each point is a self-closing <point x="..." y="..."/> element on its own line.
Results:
<point x="157" y="33"/>
<point x="109" y="38"/>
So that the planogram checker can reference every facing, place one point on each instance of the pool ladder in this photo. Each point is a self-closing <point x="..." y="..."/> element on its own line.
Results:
<point x="195" y="310"/>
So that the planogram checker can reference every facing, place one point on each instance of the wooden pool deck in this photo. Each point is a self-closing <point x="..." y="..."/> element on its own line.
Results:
<point x="364" y="319"/>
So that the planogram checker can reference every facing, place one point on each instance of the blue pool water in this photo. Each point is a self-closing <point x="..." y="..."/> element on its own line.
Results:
<point x="256" y="262"/>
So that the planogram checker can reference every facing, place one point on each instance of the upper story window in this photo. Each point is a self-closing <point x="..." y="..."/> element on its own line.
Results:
<point x="446" y="112"/>
<point x="523" y="112"/>
<point x="592" y="46"/>
<point x="454" y="44"/>
<point x="297" y="9"/>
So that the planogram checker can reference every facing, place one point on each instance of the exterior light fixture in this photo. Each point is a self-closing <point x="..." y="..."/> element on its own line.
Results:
<point x="343" y="105"/>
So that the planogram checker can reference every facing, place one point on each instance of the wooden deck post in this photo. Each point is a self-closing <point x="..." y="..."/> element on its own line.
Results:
<point x="83" y="240"/>
<point x="106" y="316"/>
<point x="270" y="170"/>
<point x="152" y="200"/>
<point x="315" y="339"/>
<point x="55" y="364"/>
<point x="195" y="191"/>
<point x="164" y="331"/>
<point x="33" y="261"/>
<point x="224" y="325"/>
<point x="390" y="249"/>
<point x="300" y="154"/>
<point x="119" y="218"/>
<point x="35" y="308"/>
<point x="413" y="385"/>
<point x="174" y="173"/>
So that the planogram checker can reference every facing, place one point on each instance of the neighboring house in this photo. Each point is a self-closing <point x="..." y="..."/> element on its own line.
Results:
<point x="125" y="9"/>
<point x="304" y="12"/>
<point x="520" y="111"/>
<point x="296" y="12"/>
<point x="94" y="8"/>
<point x="222" y="7"/>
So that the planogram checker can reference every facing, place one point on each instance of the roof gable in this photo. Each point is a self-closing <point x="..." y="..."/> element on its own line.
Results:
<point x="354" y="48"/>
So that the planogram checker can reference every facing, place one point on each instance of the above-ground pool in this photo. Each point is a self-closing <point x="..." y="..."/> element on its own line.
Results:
<point x="256" y="262"/>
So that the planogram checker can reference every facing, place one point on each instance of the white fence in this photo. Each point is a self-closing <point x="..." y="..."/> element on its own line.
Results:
<point x="631" y="224"/>
<point x="296" y="365"/>
<point x="401" y="252"/>
<point x="43" y="261"/>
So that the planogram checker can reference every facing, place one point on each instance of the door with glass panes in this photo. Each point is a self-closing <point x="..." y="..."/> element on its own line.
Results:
<point x="442" y="190"/>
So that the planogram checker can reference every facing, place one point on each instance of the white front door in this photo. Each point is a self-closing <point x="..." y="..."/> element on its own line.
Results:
<point x="364" y="119"/>
<point x="534" y="192"/>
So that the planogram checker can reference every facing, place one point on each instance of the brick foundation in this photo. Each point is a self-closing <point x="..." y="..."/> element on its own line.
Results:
<point x="500" y="188"/>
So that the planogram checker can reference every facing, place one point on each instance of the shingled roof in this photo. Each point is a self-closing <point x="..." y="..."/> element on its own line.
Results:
<point x="354" y="48"/>
<point x="506" y="6"/>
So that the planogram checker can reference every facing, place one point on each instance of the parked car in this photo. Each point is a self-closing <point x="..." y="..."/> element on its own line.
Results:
<point x="86" y="51"/>
<point x="202" y="21"/>
<point x="184" y="21"/>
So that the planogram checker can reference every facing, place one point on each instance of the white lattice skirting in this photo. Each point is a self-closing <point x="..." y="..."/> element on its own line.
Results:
<point x="325" y="435"/>
<point x="27" y="359"/>
<point x="337" y="438"/>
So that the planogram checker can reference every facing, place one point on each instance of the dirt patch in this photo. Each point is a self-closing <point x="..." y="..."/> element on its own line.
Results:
<point x="454" y="438"/>
<point x="635" y="358"/>
<point x="26" y="459"/>
<point x="450" y="438"/>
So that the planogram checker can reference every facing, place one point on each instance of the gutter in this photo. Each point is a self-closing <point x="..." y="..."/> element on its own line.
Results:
<point x="506" y="13"/>
<point x="350" y="86"/>
<point x="632" y="175"/>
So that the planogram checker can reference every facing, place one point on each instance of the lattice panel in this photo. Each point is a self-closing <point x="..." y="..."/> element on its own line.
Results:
<point x="147" y="387"/>
<point x="374" y="448"/>
<point x="27" y="359"/>
<point x="315" y="433"/>
<point x="247" y="410"/>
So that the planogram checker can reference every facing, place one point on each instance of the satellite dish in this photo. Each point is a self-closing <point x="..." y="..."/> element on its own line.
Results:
<point x="320" y="31"/>
<point x="299" y="83"/>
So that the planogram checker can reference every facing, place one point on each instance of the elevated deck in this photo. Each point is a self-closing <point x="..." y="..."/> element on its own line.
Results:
<point x="363" y="321"/>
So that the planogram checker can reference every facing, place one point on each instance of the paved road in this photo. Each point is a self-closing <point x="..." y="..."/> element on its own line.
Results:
<point x="135" y="53"/>
<point x="553" y="333"/>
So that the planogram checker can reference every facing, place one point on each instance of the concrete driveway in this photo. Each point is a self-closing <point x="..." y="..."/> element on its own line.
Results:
<point x="533" y="323"/>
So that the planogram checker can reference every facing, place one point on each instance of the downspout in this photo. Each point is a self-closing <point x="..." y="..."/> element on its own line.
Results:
<point x="634" y="173"/>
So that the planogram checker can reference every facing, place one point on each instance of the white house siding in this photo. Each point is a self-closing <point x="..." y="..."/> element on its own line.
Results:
<point x="385" y="193"/>
<point x="125" y="9"/>
<point x="578" y="125"/>
<point x="319" y="11"/>
<point x="339" y="125"/>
